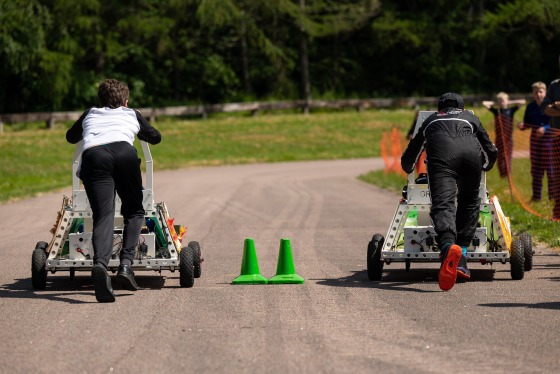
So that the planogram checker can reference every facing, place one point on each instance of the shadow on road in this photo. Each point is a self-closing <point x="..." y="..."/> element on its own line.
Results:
<point x="22" y="289"/>
<point x="547" y="266"/>
<point x="61" y="288"/>
<point x="548" y="305"/>
<point x="400" y="279"/>
<point x="554" y="279"/>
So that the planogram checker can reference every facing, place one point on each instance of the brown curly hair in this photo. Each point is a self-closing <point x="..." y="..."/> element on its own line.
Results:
<point x="112" y="93"/>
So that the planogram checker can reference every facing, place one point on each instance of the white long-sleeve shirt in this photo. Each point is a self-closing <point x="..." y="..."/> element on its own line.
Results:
<point x="98" y="126"/>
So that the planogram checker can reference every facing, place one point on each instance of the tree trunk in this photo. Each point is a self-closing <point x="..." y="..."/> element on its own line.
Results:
<point x="100" y="58"/>
<point x="480" y="50"/>
<point x="244" y="55"/>
<point x="304" y="63"/>
<point x="176" y="78"/>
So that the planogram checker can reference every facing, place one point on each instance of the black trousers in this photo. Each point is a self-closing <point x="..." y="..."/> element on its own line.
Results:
<point x="105" y="169"/>
<point x="455" y="179"/>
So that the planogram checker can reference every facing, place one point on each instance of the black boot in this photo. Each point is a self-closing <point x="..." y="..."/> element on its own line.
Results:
<point x="126" y="278"/>
<point x="102" y="284"/>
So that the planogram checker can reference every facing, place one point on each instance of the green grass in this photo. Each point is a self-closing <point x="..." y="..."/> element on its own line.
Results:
<point x="34" y="160"/>
<point x="541" y="229"/>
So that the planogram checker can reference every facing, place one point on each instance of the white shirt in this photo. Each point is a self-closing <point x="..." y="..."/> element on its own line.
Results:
<point x="106" y="125"/>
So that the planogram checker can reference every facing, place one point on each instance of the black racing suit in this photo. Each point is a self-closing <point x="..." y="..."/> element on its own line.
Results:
<point x="457" y="150"/>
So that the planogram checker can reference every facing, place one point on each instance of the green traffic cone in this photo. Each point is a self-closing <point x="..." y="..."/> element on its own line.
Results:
<point x="250" y="273"/>
<point x="285" y="272"/>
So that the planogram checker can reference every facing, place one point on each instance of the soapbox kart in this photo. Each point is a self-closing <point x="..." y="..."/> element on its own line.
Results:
<point x="411" y="236"/>
<point x="160" y="245"/>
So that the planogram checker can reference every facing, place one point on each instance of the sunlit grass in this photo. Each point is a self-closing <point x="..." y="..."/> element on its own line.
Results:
<point x="542" y="229"/>
<point x="35" y="160"/>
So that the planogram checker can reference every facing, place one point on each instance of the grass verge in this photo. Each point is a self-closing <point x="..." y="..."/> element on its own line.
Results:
<point x="541" y="229"/>
<point x="34" y="160"/>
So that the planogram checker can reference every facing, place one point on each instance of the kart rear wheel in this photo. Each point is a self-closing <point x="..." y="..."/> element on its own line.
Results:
<point x="374" y="264"/>
<point x="38" y="266"/>
<point x="517" y="259"/>
<point x="197" y="258"/>
<point x="528" y="250"/>
<point x="186" y="267"/>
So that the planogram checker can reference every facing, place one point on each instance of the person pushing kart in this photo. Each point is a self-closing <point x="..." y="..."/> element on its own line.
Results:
<point x="458" y="149"/>
<point x="110" y="163"/>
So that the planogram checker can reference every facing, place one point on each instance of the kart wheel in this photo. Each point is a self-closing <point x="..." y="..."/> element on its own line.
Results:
<point x="38" y="266"/>
<point x="374" y="264"/>
<point x="528" y="249"/>
<point x="197" y="259"/>
<point x="186" y="268"/>
<point x="517" y="259"/>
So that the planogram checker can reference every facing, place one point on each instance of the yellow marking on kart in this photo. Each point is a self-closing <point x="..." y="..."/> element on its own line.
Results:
<point x="504" y="221"/>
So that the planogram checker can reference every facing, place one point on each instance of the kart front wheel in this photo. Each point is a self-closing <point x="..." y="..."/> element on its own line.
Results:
<point x="197" y="258"/>
<point x="528" y="250"/>
<point x="38" y="266"/>
<point x="186" y="267"/>
<point x="374" y="263"/>
<point x="517" y="259"/>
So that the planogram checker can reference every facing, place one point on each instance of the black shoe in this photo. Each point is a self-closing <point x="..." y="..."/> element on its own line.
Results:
<point x="102" y="284"/>
<point x="462" y="269"/>
<point x="126" y="278"/>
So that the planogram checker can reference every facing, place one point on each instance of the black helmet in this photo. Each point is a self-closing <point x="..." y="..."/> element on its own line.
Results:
<point x="451" y="100"/>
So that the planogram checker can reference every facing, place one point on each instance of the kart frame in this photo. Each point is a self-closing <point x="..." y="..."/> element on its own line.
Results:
<point x="71" y="249"/>
<point x="411" y="235"/>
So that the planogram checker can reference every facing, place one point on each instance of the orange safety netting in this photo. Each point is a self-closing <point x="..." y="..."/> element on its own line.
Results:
<point x="391" y="152"/>
<point x="527" y="162"/>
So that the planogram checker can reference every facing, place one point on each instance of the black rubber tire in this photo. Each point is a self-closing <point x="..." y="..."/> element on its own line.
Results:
<point x="186" y="268"/>
<point x="517" y="259"/>
<point x="197" y="258"/>
<point x="374" y="263"/>
<point x="528" y="250"/>
<point x="38" y="266"/>
<point x="42" y="245"/>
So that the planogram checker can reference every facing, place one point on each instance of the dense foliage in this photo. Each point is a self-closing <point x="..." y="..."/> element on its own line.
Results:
<point x="53" y="53"/>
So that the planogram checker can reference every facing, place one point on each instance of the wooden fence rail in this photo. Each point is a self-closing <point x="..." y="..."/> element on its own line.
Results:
<point x="254" y="107"/>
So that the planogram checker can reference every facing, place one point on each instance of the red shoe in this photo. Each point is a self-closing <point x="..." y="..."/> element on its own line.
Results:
<point x="448" y="270"/>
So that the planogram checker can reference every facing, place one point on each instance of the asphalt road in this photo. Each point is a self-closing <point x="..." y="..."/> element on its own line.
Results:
<point x="337" y="322"/>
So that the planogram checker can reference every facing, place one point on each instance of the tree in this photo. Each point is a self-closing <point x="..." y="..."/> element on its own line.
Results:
<point x="320" y="19"/>
<point x="245" y="19"/>
<point x="23" y="27"/>
<point x="520" y="37"/>
<point x="53" y="53"/>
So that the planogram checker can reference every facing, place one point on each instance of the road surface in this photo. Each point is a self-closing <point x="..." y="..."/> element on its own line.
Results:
<point x="337" y="322"/>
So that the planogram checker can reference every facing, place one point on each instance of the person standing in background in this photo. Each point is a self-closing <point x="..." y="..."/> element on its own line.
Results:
<point x="540" y="142"/>
<point x="503" y="119"/>
<point x="551" y="107"/>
